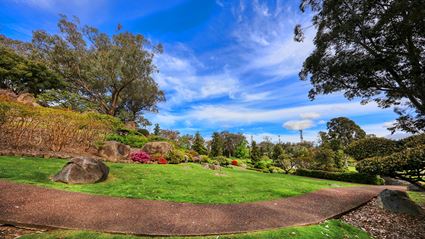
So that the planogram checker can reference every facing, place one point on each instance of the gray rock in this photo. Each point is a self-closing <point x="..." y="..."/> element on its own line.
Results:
<point x="82" y="171"/>
<point x="211" y="166"/>
<point x="114" y="151"/>
<point x="398" y="202"/>
<point x="161" y="148"/>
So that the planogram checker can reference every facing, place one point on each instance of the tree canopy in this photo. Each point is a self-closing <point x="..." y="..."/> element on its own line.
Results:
<point x="341" y="132"/>
<point x="374" y="50"/>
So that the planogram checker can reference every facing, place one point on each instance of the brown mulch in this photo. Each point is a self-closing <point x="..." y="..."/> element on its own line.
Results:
<point x="383" y="224"/>
<point x="11" y="232"/>
<point x="36" y="206"/>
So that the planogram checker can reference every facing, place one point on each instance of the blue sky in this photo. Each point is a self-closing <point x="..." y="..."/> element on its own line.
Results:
<point x="227" y="65"/>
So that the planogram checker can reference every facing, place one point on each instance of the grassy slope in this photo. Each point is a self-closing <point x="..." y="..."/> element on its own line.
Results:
<point x="179" y="183"/>
<point x="331" y="229"/>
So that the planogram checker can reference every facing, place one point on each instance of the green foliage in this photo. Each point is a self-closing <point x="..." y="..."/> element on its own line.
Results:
<point x="175" y="156"/>
<point x="353" y="177"/>
<point x="132" y="139"/>
<point x="217" y="145"/>
<point x="157" y="130"/>
<point x="254" y="154"/>
<point x="408" y="164"/>
<point x="242" y="150"/>
<point x="413" y="141"/>
<point x="113" y="72"/>
<point x="285" y="162"/>
<point x="264" y="163"/>
<point x="371" y="147"/>
<point x="341" y="132"/>
<point x="372" y="50"/>
<point x="40" y="128"/>
<point x="199" y="144"/>
<point x="324" y="159"/>
<point x="223" y="161"/>
<point x="277" y="151"/>
<point x="65" y="99"/>
<point x="21" y="74"/>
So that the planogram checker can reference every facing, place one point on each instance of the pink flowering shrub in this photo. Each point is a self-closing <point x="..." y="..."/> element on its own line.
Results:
<point x="140" y="156"/>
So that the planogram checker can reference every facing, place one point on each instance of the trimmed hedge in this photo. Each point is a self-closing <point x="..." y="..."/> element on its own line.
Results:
<point x="409" y="165"/>
<point x="353" y="177"/>
<point x="371" y="147"/>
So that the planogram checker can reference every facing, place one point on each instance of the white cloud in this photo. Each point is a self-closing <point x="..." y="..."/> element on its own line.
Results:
<point x="298" y="124"/>
<point x="310" y="115"/>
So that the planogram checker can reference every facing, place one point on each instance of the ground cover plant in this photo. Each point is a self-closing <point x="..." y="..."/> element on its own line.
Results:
<point x="329" y="229"/>
<point x="179" y="183"/>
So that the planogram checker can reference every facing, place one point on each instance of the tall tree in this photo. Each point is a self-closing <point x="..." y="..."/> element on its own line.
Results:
<point x="255" y="153"/>
<point x="216" y="145"/>
<point x="341" y="132"/>
<point x="113" y="72"/>
<point x="157" y="130"/>
<point x="374" y="50"/>
<point x="199" y="144"/>
<point x="21" y="74"/>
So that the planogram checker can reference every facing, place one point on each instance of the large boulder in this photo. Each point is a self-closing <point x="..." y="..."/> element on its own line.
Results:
<point x="162" y="148"/>
<point x="81" y="171"/>
<point x="398" y="202"/>
<point x="114" y="151"/>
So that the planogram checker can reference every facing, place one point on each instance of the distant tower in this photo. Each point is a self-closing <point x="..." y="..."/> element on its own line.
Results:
<point x="301" y="135"/>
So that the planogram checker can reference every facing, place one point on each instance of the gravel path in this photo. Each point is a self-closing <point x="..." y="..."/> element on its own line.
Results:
<point x="36" y="206"/>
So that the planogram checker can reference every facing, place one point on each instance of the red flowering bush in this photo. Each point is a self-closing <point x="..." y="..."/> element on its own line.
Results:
<point x="235" y="162"/>
<point x="140" y="156"/>
<point x="162" y="160"/>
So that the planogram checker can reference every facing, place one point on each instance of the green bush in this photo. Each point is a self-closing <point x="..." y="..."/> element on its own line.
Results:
<point x="263" y="164"/>
<point x="413" y="141"/>
<point x="341" y="176"/>
<point x="175" y="156"/>
<point x="371" y="147"/>
<point x="131" y="139"/>
<point x="223" y="161"/>
<point x="204" y="158"/>
<point x="408" y="164"/>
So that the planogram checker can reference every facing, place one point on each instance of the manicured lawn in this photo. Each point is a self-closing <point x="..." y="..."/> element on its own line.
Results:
<point x="331" y="229"/>
<point x="179" y="183"/>
<point x="417" y="197"/>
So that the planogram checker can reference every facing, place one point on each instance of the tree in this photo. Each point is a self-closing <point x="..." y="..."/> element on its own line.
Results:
<point x="372" y="147"/>
<point x="242" y="150"/>
<point x="374" y="50"/>
<point x="199" y="144"/>
<point x="185" y="141"/>
<point x="216" y="145"/>
<point x="113" y="72"/>
<point x="21" y="74"/>
<point x="285" y="162"/>
<point x="255" y="154"/>
<point x="277" y="151"/>
<point x="157" y="130"/>
<point x="341" y="132"/>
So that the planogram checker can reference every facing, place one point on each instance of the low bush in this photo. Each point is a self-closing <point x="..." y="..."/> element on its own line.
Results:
<point x="39" y="128"/>
<point x="175" y="156"/>
<point x="140" y="156"/>
<point x="131" y="139"/>
<point x="371" y="147"/>
<point x="341" y="176"/>
<point x="223" y="161"/>
<point x="408" y="164"/>
<point x="413" y="141"/>
<point x="235" y="162"/>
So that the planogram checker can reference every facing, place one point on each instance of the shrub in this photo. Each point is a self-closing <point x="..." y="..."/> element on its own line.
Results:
<point x="39" y="128"/>
<point x="371" y="147"/>
<point x="235" y="162"/>
<point x="175" y="156"/>
<point x="341" y="176"/>
<point x="413" y="141"/>
<point x="140" y="156"/>
<point x="408" y="165"/>
<point x="223" y="161"/>
<point x="204" y="158"/>
<point x="131" y="139"/>
<point x="263" y="164"/>
<point x="143" y="132"/>
<point x="162" y="160"/>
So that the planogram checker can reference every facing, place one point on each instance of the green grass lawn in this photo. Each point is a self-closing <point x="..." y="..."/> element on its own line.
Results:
<point x="334" y="229"/>
<point x="179" y="183"/>
<point x="417" y="197"/>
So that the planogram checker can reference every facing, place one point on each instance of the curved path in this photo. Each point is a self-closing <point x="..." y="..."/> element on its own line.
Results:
<point x="28" y="205"/>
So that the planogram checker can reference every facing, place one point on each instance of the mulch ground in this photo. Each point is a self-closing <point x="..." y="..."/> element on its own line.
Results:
<point x="36" y="206"/>
<point x="383" y="224"/>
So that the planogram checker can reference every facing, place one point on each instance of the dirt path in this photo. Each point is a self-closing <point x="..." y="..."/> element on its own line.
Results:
<point x="35" y="206"/>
